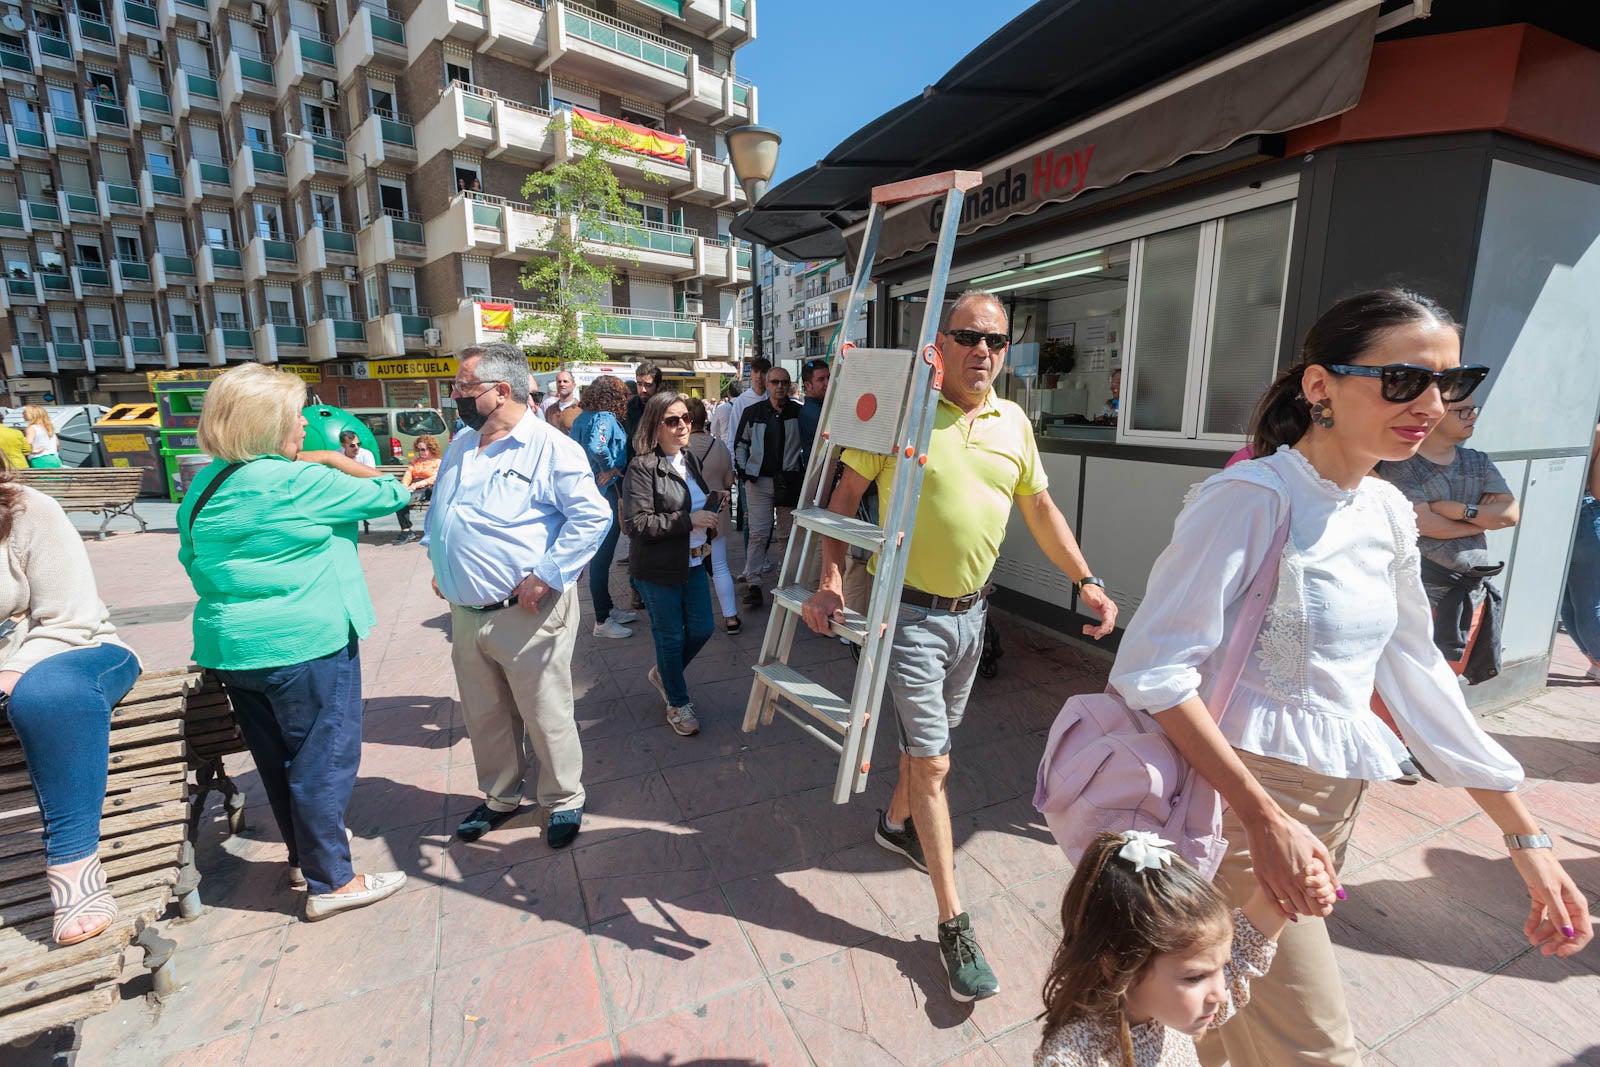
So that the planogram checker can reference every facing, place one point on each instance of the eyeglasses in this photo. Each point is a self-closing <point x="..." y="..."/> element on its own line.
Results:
<point x="1404" y="382"/>
<point x="779" y="383"/>
<point x="1468" y="414"/>
<point x="455" y="390"/>
<point x="997" y="342"/>
<point x="674" y="421"/>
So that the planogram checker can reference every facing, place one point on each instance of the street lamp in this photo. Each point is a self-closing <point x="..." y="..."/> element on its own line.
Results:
<point x="753" y="151"/>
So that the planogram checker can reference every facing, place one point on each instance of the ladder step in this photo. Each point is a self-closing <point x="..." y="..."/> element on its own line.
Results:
<point x="814" y="697"/>
<point x="851" y="531"/>
<point x="793" y="598"/>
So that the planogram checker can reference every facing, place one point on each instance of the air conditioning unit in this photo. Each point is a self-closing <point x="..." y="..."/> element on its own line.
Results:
<point x="330" y="90"/>
<point x="352" y="274"/>
<point x="202" y="30"/>
<point x="191" y="292"/>
<point x="33" y="313"/>
<point x="258" y="14"/>
<point x="167" y="133"/>
<point x="30" y="90"/>
<point x="152" y="48"/>
<point x="58" y="240"/>
<point x="47" y="184"/>
<point x="694" y="306"/>
<point x="432" y="337"/>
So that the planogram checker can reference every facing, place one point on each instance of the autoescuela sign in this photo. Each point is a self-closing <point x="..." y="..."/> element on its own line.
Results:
<point x="1311" y="78"/>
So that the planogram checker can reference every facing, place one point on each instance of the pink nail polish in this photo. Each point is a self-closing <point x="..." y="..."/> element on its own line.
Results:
<point x="1339" y="893"/>
<point x="1569" y="931"/>
<point x="1294" y="918"/>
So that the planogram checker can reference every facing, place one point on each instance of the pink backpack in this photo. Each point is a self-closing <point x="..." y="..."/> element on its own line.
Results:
<point x="1109" y="767"/>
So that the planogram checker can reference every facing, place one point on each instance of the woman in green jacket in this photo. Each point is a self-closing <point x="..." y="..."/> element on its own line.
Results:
<point x="267" y="534"/>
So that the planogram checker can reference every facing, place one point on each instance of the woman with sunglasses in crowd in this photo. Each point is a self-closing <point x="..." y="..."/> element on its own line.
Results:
<point x="671" y="514"/>
<point x="1298" y="743"/>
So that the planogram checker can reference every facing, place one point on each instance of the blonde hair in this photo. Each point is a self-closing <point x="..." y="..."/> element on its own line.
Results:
<point x="250" y="411"/>
<point x="34" y="415"/>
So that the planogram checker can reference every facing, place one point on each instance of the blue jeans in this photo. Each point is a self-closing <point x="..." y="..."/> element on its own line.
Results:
<point x="61" y="711"/>
<point x="1580" y="604"/>
<point x="680" y="622"/>
<point x="600" y="565"/>
<point x="303" y="725"/>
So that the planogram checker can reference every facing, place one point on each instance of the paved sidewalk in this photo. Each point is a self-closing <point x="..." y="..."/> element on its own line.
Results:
<point x="718" y="909"/>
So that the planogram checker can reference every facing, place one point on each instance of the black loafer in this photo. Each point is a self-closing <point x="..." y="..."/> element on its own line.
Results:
<point x="481" y="821"/>
<point x="563" y="827"/>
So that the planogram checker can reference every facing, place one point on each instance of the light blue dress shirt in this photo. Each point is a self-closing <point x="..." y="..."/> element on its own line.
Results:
<point x="525" y="504"/>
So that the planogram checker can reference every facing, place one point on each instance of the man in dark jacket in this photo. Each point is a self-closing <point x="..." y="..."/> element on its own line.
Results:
<point x="768" y="451"/>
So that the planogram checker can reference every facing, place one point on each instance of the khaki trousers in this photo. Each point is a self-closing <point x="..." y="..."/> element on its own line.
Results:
<point x="514" y="671"/>
<point x="1297" y="1012"/>
<point x="856" y="583"/>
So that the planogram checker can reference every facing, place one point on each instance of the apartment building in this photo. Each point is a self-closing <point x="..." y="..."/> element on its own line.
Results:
<point x="802" y="309"/>
<point x="336" y="187"/>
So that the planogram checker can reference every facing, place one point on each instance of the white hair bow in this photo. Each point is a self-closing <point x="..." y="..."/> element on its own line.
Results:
<point x="1145" y="850"/>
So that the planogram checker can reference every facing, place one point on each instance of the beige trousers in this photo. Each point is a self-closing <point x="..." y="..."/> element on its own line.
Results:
<point x="514" y="671"/>
<point x="857" y="584"/>
<point x="1297" y="1013"/>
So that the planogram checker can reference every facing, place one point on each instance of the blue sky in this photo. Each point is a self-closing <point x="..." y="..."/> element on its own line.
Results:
<point x="826" y="68"/>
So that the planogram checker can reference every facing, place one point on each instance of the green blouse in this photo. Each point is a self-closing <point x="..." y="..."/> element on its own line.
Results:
<point x="273" y="558"/>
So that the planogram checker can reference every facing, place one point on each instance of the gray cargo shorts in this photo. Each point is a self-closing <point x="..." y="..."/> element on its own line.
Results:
<point x="932" y="664"/>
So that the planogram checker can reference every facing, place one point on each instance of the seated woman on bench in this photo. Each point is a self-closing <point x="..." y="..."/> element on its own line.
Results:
<point x="62" y="670"/>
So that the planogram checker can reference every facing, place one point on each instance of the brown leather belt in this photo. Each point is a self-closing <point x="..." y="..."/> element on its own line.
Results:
<point x="954" y="605"/>
<point x="700" y="551"/>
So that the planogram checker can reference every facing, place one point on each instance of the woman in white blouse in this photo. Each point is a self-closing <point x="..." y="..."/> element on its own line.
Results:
<point x="1297" y="744"/>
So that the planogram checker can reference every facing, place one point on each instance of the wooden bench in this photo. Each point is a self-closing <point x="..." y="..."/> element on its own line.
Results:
<point x="398" y="470"/>
<point x="212" y="732"/>
<point x="106" y="491"/>
<point x="144" y="847"/>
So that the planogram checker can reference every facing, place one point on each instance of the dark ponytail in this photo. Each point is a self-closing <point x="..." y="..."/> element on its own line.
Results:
<point x="1343" y="334"/>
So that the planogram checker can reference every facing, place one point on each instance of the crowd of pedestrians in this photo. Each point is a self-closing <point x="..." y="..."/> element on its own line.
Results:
<point x="1357" y="467"/>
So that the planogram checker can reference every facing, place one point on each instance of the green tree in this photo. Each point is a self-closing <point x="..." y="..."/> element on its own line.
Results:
<point x="585" y="201"/>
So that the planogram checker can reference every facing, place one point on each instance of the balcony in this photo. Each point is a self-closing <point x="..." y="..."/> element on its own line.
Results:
<point x="258" y="165"/>
<point x="247" y="75"/>
<point x="317" y="153"/>
<point x="68" y="131"/>
<point x="717" y="97"/>
<point x="15" y="62"/>
<point x="228" y="340"/>
<point x="110" y="117"/>
<point x="184" y="348"/>
<point x="160" y="190"/>
<point x="306" y="55"/>
<point x="174" y="13"/>
<point x="374" y="36"/>
<point x="195" y="90"/>
<point x="464" y="326"/>
<point x="480" y="224"/>
<point x="331" y="337"/>
<point x="131" y="17"/>
<point x="385" y="137"/>
<point x="130" y="276"/>
<point x="465" y="21"/>
<point x="281" y="339"/>
<point x="8" y="151"/>
<point x="19" y="289"/>
<point x="594" y="47"/>
<point x="29" y="138"/>
<point x="650" y="246"/>
<point x="730" y="22"/>
<point x="626" y="332"/>
<point x="172" y="268"/>
<point x="55" y="284"/>
<point x="205" y="176"/>
<point x="517" y="29"/>
<point x="398" y="331"/>
<point x="392" y="235"/>
<point x="90" y="33"/>
<point x="220" y="265"/>
<point x="267" y="256"/>
<point x="148" y="104"/>
<point x="463" y="117"/>
<point x="327" y="246"/>
<point x="80" y="207"/>
<point x="92" y="279"/>
<point x="728" y="262"/>
<point x="11" y="219"/>
<point x="712" y="181"/>
<point x="53" y="51"/>
<point x="668" y="156"/>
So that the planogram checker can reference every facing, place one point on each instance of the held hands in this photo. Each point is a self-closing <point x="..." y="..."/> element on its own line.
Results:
<point x="1558" y="917"/>
<point x="1095" y="599"/>
<point x="529" y="592"/>
<point x="1291" y="864"/>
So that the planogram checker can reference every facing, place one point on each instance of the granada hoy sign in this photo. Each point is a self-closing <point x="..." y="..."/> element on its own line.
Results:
<point x="1054" y="176"/>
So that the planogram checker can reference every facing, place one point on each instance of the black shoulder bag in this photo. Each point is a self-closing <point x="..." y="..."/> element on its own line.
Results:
<point x="216" y="483"/>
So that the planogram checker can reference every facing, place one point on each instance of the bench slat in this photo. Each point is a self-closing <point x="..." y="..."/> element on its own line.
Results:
<point x="64" y="1012"/>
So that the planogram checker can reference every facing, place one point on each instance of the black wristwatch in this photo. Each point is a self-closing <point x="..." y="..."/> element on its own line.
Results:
<point x="1089" y="580"/>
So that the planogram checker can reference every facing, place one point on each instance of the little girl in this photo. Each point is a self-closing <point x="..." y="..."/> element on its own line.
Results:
<point x="1151" y="958"/>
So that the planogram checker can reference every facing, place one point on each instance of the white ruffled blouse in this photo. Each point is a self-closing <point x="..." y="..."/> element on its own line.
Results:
<point x="1349" y="616"/>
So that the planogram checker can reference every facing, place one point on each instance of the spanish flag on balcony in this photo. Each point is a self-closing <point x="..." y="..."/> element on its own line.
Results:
<point x="631" y="136"/>
<point x="495" y="316"/>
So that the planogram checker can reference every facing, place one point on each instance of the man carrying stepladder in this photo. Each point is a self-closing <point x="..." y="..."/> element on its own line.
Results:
<point x="981" y="458"/>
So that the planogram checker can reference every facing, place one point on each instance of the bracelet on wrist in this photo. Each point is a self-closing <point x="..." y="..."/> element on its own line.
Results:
<point x="1520" y="842"/>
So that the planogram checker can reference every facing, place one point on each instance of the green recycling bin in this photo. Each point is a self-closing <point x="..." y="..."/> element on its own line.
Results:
<point x="324" y="424"/>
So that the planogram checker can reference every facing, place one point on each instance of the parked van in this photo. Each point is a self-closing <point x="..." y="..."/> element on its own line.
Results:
<point x="397" y="430"/>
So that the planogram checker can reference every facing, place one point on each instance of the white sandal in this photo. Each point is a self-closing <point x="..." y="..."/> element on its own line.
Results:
<point x="93" y="899"/>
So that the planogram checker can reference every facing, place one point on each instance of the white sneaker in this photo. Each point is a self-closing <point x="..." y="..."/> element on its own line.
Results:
<point x="378" y="886"/>
<point x="611" y="628"/>
<point x="618" y="615"/>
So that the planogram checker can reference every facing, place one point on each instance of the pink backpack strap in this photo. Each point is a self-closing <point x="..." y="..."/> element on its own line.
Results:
<point x="1248" y="626"/>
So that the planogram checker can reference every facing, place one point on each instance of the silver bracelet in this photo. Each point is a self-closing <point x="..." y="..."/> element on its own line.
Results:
<point x="1520" y="841"/>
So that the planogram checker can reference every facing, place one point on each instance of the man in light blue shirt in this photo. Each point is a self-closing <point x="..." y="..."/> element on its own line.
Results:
<point x="515" y="516"/>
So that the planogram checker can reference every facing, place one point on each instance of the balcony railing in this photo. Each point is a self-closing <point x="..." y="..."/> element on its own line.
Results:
<point x="385" y="27"/>
<point x="141" y="14"/>
<point x="10" y="220"/>
<point x="235" y="333"/>
<point x="82" y="203"/>
<point x="94" y="28"/>
<point x="107" y="114"/>
<point x="254" y="65"/>
<point x="326" y="145"/>
<point x="337" y="239"/>
<point x="214" y="170"/>
<point x="154" y="98"/>
<point x="406" y="226"/>
<point x="347" y="329"/>
<point x="267" y="159"/>
<point x="227" y="257"/>
<point x="94" y="275"/>
<point x="29" y="135"/>
<point x="315" y="46"/>
<point x="166" y="184"/>
<point x="133" y="270"/>
<point x="15" y="59"/>
<point x="55" y="47"/>
<point x="200" y="82"/>
<point x="741" y="90"/>
<point x="22" y="287"/>
<point x="55" y="281"/>
<point x="288" y="332"/>
<point x="395" y="127"/>
<point x="69" y="126"/>
<point x="275" y="249"/>
<point x="177" y="262"/>
<point x="43" y="211"/>
<point x="607" y="32"/>
<point x="655" y="325"/>
<point x="653" y="236"/>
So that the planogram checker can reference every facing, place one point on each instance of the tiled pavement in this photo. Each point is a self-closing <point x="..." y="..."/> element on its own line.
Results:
<point x="718" y="909"/>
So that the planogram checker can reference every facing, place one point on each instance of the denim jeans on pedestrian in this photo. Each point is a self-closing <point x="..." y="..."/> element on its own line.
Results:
<point x="1580" y="604"/>
<point x="600" y="565"/>
<point x="680" y="622"/>
<point x="302" y="723"/>
<point x="61" y="712"/>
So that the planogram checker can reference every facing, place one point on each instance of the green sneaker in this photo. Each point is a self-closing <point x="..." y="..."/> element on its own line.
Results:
<point x="970" y="976"/>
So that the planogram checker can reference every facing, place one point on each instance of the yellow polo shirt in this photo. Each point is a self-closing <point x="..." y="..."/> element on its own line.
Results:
<point x="975" y="469"/>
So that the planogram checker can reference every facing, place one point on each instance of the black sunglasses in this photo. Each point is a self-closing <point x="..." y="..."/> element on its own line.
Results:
<point x="997" y="342"/>
<point x="1403" y="382"/>
<point x="674" y="421"/>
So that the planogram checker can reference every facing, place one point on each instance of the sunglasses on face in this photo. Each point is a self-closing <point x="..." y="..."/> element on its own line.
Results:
<point x="1403" y="382"/>
<point x="997" y="342"/>
<point x="779" y="383"/>
<point x="672" y="422"/>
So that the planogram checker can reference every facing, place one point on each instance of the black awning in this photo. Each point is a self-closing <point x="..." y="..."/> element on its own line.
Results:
<point x="1056" y="63"/>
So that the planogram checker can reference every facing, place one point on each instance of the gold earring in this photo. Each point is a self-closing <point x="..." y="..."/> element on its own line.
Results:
<point x="1322" y="414"/>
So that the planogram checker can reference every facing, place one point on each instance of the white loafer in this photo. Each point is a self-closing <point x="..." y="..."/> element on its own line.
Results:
<point x="379" y="886"/>
<point x="297" y="877"/>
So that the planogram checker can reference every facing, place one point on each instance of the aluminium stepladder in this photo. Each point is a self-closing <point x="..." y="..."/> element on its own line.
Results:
<point x="881" y="401"/>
